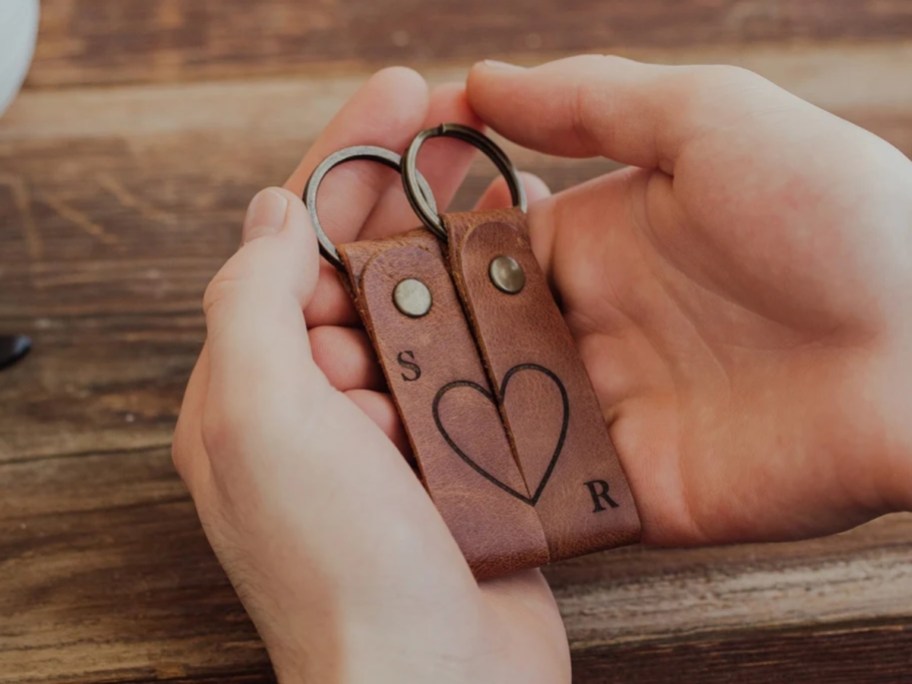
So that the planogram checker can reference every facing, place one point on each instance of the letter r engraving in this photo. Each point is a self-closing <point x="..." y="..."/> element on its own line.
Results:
<point x="598" y="490"/>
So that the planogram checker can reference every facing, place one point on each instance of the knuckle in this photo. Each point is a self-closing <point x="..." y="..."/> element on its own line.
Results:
<point x="220" y="289"/>
<point x="708" y="83"/>
<point x="734" y="74"/>
<point x="322" y="345"/>
<point x="235" y="276"/>
<point x="608" y="61"/>
<point x="179" y="456"/>
<point x="585" y="105"/>
<point x="698" y="91"/>
<point x="219" y="429"/>
<point x="183" y="454"/>
<point x="715" y="75"/>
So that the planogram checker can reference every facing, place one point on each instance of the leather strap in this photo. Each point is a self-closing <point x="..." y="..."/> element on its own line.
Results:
<point x="573" y="477"/>
<point x="435" y="375"/>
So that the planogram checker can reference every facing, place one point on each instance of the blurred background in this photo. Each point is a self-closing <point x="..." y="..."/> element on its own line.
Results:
<point x="126" y="163"/>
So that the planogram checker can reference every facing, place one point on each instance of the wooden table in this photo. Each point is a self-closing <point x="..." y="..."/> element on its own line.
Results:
<point x="125" y="167"/>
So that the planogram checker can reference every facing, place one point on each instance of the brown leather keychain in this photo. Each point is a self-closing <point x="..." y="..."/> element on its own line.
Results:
<point x="573" y="478"/>
<point x="408" y="304"/>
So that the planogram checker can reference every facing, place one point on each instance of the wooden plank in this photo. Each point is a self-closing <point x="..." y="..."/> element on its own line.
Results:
<point x="725" y="589"/>
<point x="127" y="41"/>
<point x="867" y="78"/>
<point x="853" y="653"/>
<point x="108" y="578"/>
<point x="96" y="301"/>
<point x="118" y="205"/>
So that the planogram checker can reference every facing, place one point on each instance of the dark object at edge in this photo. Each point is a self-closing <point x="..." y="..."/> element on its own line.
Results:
<point x="13" y="348"/>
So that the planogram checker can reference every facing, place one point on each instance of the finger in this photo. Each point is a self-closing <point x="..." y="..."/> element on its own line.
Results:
<point x="380" y="408"/>
<point x="540" y="232"/>
<point x="331" y="303"/>
<point x="444" y="163"/>
<point x="635" y="113"/>
<point x="346" y="358"/>
<point x="497" y="193"/>
<point x="387" y="111"/>
<point x="257" y="335"/>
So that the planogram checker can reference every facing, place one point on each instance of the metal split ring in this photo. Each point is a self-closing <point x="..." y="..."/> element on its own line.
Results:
<point x="415" y="189"/>
<point x="358" y="152"/>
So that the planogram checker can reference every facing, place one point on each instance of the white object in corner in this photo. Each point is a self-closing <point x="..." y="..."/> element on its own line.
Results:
<point x="18" y="30"/>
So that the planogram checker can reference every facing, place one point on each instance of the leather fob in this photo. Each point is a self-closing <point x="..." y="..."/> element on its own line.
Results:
<point x="562" y="445"/>
<point x="437" y="380"/>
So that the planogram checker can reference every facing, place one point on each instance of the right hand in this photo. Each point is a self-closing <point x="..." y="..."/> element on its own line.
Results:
<point x="741" y="295"/>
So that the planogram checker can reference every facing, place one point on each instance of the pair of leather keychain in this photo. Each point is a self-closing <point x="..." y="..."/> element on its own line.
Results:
<point x="506" y="429"/>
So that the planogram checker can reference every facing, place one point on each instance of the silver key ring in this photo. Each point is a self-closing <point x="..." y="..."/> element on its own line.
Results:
<point x="416" y="193"/>
<point x="357" y="152"/>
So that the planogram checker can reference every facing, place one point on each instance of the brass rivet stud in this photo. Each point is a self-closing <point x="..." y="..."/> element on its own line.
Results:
<point x="412" y="297"/>
<point x="507" y="275"/>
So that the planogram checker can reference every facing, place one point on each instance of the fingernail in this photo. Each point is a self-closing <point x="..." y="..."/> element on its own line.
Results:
<point x="501" y="66"/>
<point x="265" y="215"/>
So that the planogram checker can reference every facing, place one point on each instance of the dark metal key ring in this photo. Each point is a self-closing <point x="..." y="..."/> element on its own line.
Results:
<point x="357" y="152"/>
<point x="417" y="195"/>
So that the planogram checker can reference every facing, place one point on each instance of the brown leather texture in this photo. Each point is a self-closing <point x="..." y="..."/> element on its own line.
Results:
<point x="435" y="375"/>
<point x="573" y="478"/>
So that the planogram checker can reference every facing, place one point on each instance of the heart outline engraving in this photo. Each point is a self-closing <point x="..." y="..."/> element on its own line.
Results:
<point x="497" y="402"/>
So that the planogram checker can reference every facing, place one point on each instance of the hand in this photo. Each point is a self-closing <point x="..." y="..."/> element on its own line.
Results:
<point x="741" y="299"/>
<point x="288" y="445"/>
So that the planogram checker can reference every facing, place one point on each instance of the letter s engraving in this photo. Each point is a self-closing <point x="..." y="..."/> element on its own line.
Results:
<point x="406" y="359"/>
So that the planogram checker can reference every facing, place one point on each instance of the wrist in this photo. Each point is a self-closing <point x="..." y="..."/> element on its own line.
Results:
<point x="895" y="458"/>
<point x="891" y="431"/>
<point x="863" y="435"/>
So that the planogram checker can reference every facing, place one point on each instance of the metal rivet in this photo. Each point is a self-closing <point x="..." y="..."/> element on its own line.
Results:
<point x="507" y="275"/>
<point x="412" y="297"/>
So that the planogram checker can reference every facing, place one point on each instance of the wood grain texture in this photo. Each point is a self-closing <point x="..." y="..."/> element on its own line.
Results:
<point x="867" y="80"/>
<point x="127" y="41"/>
<point x="118" y="203"/>
<point x="108" y="578"/>
<point x="854" y="652"/>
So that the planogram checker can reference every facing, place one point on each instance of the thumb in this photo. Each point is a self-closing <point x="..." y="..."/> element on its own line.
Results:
<point x="254" y="304"/>
<point x="294" y="458"/>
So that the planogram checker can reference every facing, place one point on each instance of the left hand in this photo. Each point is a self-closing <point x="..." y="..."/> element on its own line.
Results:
<point x="289" y="448"/>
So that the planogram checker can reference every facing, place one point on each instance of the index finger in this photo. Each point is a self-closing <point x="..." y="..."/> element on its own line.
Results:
<point x="635" y="113"/>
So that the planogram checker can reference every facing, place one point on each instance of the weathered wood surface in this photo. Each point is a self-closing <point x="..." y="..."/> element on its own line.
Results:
<point x="118" y="203"/>
<point x="116" y="41"/>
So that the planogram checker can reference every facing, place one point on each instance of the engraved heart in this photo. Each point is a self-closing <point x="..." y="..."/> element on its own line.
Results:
<point x="496" y="401"/>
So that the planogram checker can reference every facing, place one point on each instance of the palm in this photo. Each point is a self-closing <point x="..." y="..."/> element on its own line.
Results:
<point x="699" y="301"/>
